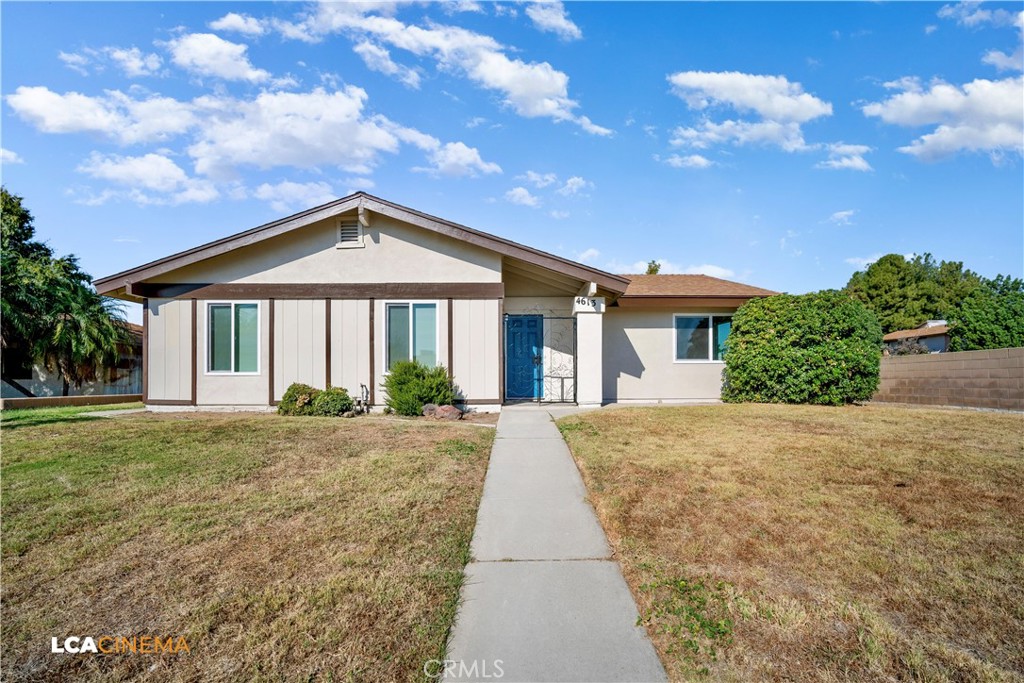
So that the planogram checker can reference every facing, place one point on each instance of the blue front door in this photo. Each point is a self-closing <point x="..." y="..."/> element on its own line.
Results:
<point x="524" y="360"/>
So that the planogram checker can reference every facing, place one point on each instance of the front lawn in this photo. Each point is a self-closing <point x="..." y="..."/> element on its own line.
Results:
<point x="767" y="542"/>
<point x="281" y="548"/>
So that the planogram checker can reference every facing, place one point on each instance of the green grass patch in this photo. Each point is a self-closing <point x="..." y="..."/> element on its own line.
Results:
<point x="282" y="548"/>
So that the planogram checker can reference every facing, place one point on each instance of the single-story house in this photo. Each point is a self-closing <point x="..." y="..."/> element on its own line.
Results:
<point x="932" y="334"/>
<point x="337" y="294"/>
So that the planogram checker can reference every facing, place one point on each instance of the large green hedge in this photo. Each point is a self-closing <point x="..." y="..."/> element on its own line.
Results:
<point x="822" y="348"/>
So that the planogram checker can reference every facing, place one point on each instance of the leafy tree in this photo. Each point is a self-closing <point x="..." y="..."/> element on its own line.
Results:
<point x="903" y="294"/>
<point x="51" y="314"/>
<point x="992" y="317"/>
<point x="653" y="268"/>
<point x="822" y="348"/>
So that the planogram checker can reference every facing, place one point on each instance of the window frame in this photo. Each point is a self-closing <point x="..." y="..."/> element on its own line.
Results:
<point x="259" y="339"/>
<point x="710" y="317"/>
<point x="387" y="322"/>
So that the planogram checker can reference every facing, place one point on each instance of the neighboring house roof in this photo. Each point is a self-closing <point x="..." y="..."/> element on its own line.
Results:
<point x="917" y="333"/>
<point x="116" y="285"/>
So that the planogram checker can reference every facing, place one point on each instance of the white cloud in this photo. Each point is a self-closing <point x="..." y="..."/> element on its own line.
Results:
<point x="980" y="116"/>
<point x="378" y="59"/>
<point x="152" y="172"/>
<point x="709" y="269"/>
<point x="303" y="130"/>
<point x="930" y="29"/>
<point x="558" y="215"/>
<point x="206" y="54"/>
<point x="844" y="156"/>
<point x="588" y="255"/>
<point x="574" y="186"/>
<point x="862" y="262"/>
<point x="532" y="90"/>
<point x="549" y="15"/>
<point x="842" y="217"/>
<point x="239" y="23"/>
<point x="457" y="159"/>
<point x="522" y="196"/>
<point x="9" y="157"/>
<point x="286" y="195"/>
<point x="778" y="106"/>
<point x="774" y="98"/>
<point x="75" y="61"/>
<point x="688" y="161"/>
<point x="133" y="62"/>
<point x="972" y="15"/>
<point x="115" y="114"/>
<point x="538" y="180"/>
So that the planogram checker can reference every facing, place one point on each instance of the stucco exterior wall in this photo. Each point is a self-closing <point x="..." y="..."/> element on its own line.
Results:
<point x="232" y="389"/>
<point x="350" y="345"/>
<point x="639" y="360"/>
<point x="476" y="345"/>
<point x="300" y="343"/>
<point x="392" y="252"/>
<point x="169" y="326"/>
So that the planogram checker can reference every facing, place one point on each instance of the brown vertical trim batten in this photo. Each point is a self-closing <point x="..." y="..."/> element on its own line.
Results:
<point x="501" y="350"/>
<point x="373" y="354"/>
<point x="195" y="351"/>
<point x="327" y="349"/>
<point x="145" y="350"/>
<point x="270" y="347"/>
<point x="451" y="339"/>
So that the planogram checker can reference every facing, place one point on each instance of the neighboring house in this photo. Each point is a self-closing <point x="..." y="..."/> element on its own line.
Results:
<point x="125" y="377"/>
<point x="337" y="294"/>
<point x="933" y="334"/>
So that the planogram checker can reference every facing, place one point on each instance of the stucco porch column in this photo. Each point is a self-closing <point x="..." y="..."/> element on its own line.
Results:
<point x="589" y="312"/>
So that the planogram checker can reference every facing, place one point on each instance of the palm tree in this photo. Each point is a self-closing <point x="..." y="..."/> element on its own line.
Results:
<point x="83" y="333"/>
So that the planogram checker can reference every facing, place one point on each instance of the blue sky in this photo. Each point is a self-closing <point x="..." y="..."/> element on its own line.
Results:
<point x="784" y="145"/>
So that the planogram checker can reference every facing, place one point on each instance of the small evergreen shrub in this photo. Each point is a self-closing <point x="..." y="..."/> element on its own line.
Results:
<point x="332" y="402"/>
<point x="298" y="400"/>
<point x="410" y="385"/>
<point x="821" y="348"/>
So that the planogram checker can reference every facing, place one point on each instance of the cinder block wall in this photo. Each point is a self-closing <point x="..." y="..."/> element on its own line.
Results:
<point x="974" y="379"/>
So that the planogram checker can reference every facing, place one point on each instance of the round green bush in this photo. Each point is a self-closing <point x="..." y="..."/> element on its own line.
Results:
<point x="332" y="402"/>
<point x="820" y="348"/>
<point x="298" y="400"/>
<point x="411" y="385"/>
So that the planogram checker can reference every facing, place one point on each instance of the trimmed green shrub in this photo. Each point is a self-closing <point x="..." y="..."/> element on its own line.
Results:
<point x="821" y="348"/>
<point x="411" y="385"/>
<point x="298" y="400"/>
<point x="332" y="402"/>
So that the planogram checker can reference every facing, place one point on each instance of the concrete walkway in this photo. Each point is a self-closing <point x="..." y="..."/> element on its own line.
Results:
<point x="543" y="598"/>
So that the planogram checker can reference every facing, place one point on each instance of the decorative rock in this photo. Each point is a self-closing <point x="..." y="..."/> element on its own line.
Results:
<point x="428" y="409"/>
<point x="348" y="413"/>
<point x="447" y="413"/>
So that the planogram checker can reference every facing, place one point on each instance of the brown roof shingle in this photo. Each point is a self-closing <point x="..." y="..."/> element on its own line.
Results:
<point x="916" y="333"/>
<point x="689" y="285"/>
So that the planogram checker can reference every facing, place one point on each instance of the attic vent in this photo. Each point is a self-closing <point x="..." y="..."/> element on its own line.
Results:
<point x="350" y="234"/>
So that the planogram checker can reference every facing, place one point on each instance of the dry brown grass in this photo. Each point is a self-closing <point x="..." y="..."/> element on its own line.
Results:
<point x="861" y="543"/>
<point x="282" y="548"/>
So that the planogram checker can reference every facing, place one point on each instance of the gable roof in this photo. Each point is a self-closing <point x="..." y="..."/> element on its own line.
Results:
<point x="116" y="284"/>
<point x="703" y="286"/>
